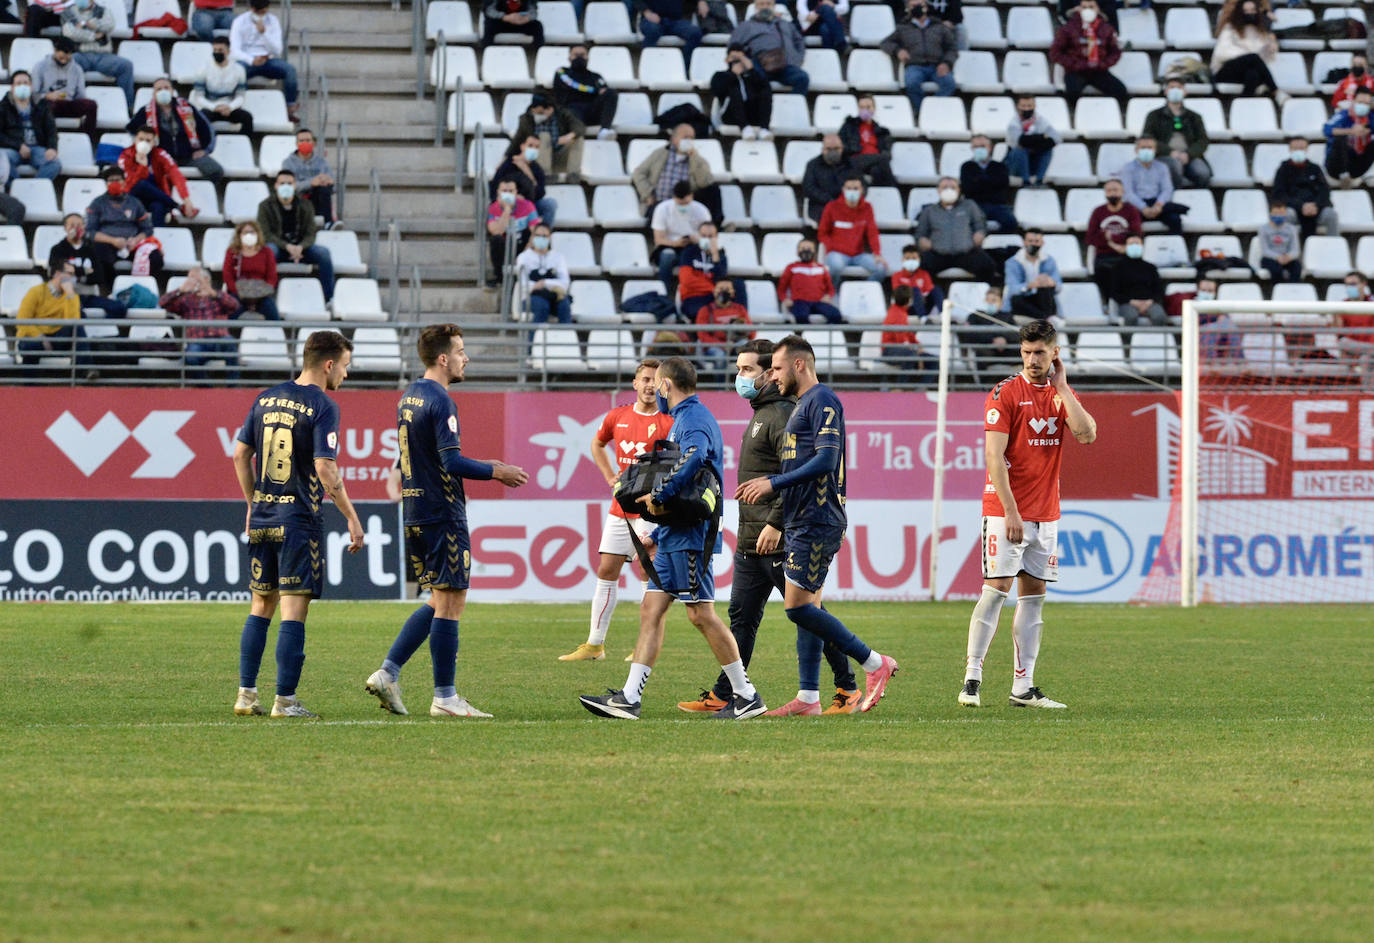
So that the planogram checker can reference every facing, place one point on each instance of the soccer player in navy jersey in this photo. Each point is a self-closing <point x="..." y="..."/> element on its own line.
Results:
<point x="813" y="492"/>
<point x="433" y="467"/>
<point x="293" y="429"/>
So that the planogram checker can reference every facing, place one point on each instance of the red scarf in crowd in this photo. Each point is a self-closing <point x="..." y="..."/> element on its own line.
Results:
<point x="184" y="111"/>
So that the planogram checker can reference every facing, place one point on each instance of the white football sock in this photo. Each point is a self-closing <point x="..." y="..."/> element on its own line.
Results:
<point x="873" y="662"/>
<point x="1025" y="629"/>
<point x="603" y="605"/>
<point x="981" y="628"/>
<point x="634" y="684"/>
<point x="739" y="680"/>
<point x="809" y="697"/>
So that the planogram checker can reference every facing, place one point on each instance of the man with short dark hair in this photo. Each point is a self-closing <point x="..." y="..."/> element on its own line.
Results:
<point x="28" y="132"/>
<point x="1137" y="290"/>
<point x="153" y="177"/>
<point x="51" y="311"/>
<point x="1108" y="227"/>
<point x="293" y="430"/>
<point x="743" y="95"/>
<point x="94" y="277"/>
<point x="313" y="175"/>
<point x="988" y="184"/>
<point x="825" y="175"/>
<point x="676" y="224"/>
<point x="438" y="544"/>
<point x="559" y="133"/>
<point x="1349" y="149"/>
<point x="90" y="25"/>
<point x="659" y="18"/>
<point x="925" y="50"/>
<point x="1150" y="189"/>
<point x="805" y="288"/>
<point x="1032" y="281"/>
<point x="255" y="39"/>
<point x="585" y="93"/>
<point x="849" y="233"/>
<point x="220" y="88"/>
<point x="62" y="84"/>
<point x="1031" y="140"/>
<point x="119" y="225"/>
<point x="288" y="229"/>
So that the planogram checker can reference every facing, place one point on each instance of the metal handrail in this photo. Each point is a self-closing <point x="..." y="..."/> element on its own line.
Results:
<point x="322" y="104"/>
<point x="341" y="187"/>
<point x="374" y="218"/>
<point x="440" y="92"/>
<point x="393" y="252"/>
<point x="305" y="55"/>
<point x="508" y="272"/>
<point x="419" y="10"/>
<point x="479" y="189"/>
<point x="286" y="23"/>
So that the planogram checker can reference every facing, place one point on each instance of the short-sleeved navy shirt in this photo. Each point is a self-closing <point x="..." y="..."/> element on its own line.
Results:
<point x="289" y="427"/>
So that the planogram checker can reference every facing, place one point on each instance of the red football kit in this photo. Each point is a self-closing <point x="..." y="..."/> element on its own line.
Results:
<point x="1035" y="421"/>
<point x="630" y="433"/>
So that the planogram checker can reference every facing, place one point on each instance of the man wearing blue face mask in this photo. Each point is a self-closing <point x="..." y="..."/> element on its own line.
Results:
<point x="1150" y="189"/>
<point x="288" y="227"/>
<point x="1348" y="151"/>
<point x="28" y="131"/>
<point x="1137" y="290"/>
<point x="1302" y="187"/>
<point x="1280" y="245"/>
<point x="986" y="182"/>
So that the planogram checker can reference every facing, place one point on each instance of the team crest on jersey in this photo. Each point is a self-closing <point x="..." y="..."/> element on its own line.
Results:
<point x="653" y="427"/>
<point x="757" y="427"/>
<point x="453" y="424"/>
<point x="993" y="416"/>
<point x="1058" y="401"/>
<point x="333" y="440"/>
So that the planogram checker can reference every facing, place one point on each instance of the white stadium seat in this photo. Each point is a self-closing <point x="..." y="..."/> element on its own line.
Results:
<point x="242" y="198"/>
<point x="870" y="23"/>
<point x="1028" y="72"/>
<point x="358" y="299"/>
<point x="1326" y="256"/>
<point x="454" y="62"/>
<point x="1030" y="28"/>
<point x="301" y="299"/>
<point x="577" y="252"/>
<point x="625" y="254"/>
<point x="377" y="350"/>
<point x="451" y="17"/>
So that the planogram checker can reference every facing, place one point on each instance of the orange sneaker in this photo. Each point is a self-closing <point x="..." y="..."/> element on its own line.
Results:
<point x="795" y="708"/>
<point x="845" y="702"/>
<point x="708" y="703"/>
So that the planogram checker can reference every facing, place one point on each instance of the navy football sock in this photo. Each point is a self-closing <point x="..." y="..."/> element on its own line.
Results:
<point x="809" y="646"/>
<point x="821" y="623"/>
<point x="408" y="642"/>
<point x="251" y="644"/>
<point x="443" y="649"/>
<point x="290" y="656"/>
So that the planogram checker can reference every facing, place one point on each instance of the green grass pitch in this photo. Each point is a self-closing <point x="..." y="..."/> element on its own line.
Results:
<point x="1211" y="780"/>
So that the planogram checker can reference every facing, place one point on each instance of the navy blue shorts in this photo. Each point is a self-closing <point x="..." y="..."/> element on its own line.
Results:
<point x="440" y="554"/>
<point x="289" y="561"/>
<point x="809" y="551"/>
<point x="685" y="575"/>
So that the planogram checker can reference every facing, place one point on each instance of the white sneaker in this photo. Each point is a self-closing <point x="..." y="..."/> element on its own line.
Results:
<point x="456" y="706"/>
<point x="606" y="134"/>
<point x="380" y="686"/>
<point x="765" y="134"/>
<point x="748" y="133"/>
<point x="290" y="707"/>
<point x="247" y="704"/>
<point x="1033" y="698"/>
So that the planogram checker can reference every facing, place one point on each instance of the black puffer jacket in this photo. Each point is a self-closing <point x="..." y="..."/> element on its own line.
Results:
<point x="759" y="457"/>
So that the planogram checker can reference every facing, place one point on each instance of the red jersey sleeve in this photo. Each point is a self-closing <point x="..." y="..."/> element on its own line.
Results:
<point x="607" y="430"/>
<point x="997" y="412"/>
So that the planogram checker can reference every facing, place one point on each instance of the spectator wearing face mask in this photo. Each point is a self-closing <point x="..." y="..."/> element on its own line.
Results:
<point x="1280" y="245"/>
<point x="1349" y="153"/>
<point x="986" y="182"/>
<point x="925" y="50"/>
<point x="181" y="130"/>
<point x="1150" y="188"/>
<point x="89" y="25"/>
<point x="825" y="175"/>
<point x="1356" y="339"/>
<point x="1358" y="77"/>
<point x="950" y="234"/>
<point x="899" y="344"/>
<point x="1086" y="46"/>
<point x="49" y="314"/>
<point x="1108" y="228"/>
<point x="585" y="93"/>
<point x="313" y="174"/>
<point x="1245" y="48"/>
<point x="1137" y="290"/>
<point x="1032" y="282"/>
<point x="120" y="226"/>
<point x="287" y="222"/>
<point x="510" y="216"/>
<point x="721" y="309"/>
<point x="742" y="96"/>
<point x="702" y="267"/>
<point x="220" y="88"/>
<point x="823" y="18"/>
<point x="1301" y="186"/>
<point x="988" y="336"/>
<point x="255" y="39"/>
<point x="522" y="165"/>
<point x="676" y="224"/>
<point x="926" y="296"/>
<point x="152" y="176"/>
<point x="1183" y="134"/>
<point x="544" y="279"/>
<point x="62" y="84"/>
<point x="1030" y="141"/>
<point x="94" y="278"/>
<point x="805" y="288"/>
<point x="659" y="173"/>
<point x="28" y="132"/>
<point x="250" y="271"/>
<point x="659" y="18"/>
<point x="775" y="46"/>
<point x="1217" y="336"/>
<point x="868" y="145"/>
<point x="559" y="133"/>
<point x="849" y="234"/>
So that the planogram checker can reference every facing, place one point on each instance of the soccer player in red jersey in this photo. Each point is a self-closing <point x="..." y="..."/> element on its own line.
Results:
<point x="629" y="430"/>
<point x="1025" y="419"/>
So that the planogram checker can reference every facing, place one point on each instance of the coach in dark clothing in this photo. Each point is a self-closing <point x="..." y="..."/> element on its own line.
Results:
<point x="758" y="573"/>
<point x="825" y="176"/>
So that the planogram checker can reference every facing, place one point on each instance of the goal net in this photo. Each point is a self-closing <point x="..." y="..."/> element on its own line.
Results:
<point x="1271" y="470"/>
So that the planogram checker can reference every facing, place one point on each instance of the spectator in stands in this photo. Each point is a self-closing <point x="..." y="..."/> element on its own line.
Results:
<point x="1301" y="186"/>
<point x="1032" y="282"/>
<point x="1030" y="142"/>
<point x="1358" y="77"/>
<point x="120" y="226"/>
<point x="676" y="223"/>
<point x="1108" y="227"/>
<point x="38" y="15"/>
<point x="986" y="182"/>
<point x="198" y="301"/>
<point x="713" y="16"/>
<point x="62" y="84"/>
<point x="508" y="215"/>
<point x="1150" y="189"/>
<point x="1349" y="153"/>
<point x="181" y="130"/>
<point x="951" y="13"/>
<point x="288" y="227"/>
<point x="659" y="173"/>
<point x="28" y="133"/>
<point x="775" y="45"/>
<point x="1137" y="290"/>
<point x="848" y="228"/>
<point x="250" y="271"/>
<point x="1245" y="47"/>
<point x="152" y="176"/>
<point x="701" y="267"/>
<point x="926" y="296"/>
<point x="743" y="96"/>
<point x="1183" y="134"/>
<point x="585" y="93"/>
<point x="1217" y="337"/>
<point x="255" y="39"/>
<point x="94" y="277"/>
<point x="1356" y="340"/>
<point x="1280" y="245"/>
<point x="51" y="312"/>
<point x="822" y="18"/>
<point x="1086" y="46"/>
<point x="89" y="25"/>
<point x="659" y="18"/>
<point x="987" y="335"/>
<point x="900" y="347"/>
<point x="544" y="277"/>
<point x="950" y="234"/>
<point x="925" y="50"/>
<point x="825" y="175"/>
<point x="559" y="133"/>
<point x="1106" y="7"/>
<point x="522" y="165"/>
<point x="312" y="170"/>
<point x="220" y="88"/>
<point x="868" y="145"/>
<point x="721" y="308"/>
<point x="805" y="288"/>
<point x="209" y="17"/>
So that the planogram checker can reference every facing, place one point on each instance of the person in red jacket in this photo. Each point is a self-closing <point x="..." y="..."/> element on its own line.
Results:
<point x="152" y="175"/>
<point x="1108" y="227"/>
<point x="1086" y="46"/>
<point x="900" y="347"/>
<point x="1358" y="77"/>
<point x="716" y="346"/>
<point x="848" y="228"/>
<point x="926" y="296"/>
<point x="805" y="288"/>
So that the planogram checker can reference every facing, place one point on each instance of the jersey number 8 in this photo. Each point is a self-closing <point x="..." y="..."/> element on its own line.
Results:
<point x="277" y="462"/>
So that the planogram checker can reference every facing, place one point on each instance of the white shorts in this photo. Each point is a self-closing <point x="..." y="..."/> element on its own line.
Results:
<point x="615" y="537"/>
<point x="1036" y="554"/>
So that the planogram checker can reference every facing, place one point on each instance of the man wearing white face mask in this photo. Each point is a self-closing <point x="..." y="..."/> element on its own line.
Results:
<point x="1349" y="153"/>
<point x="848" y="227"/>
<point x="1301" y="186"/>
<point x="659" y="173"/>
<point x="182" y="130"/>
<point x="950" y="234"/>
<point x="1183" y="134"/>
<point x="28" y="132"/>
<point x="701" y="269"/>
<point x="560" y="135"/>
<point x="544" y="277"/>
<point x="1086" y="47"/>
<point x="676" y="224"/>
<point x="288" y="225"/>
<point x="153" y="177"/>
